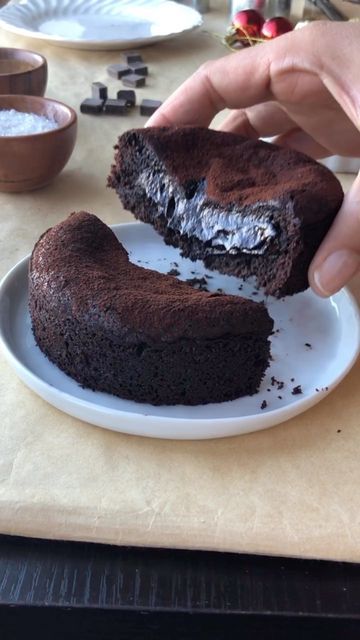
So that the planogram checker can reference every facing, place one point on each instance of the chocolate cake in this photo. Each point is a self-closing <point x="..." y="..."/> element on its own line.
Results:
<point x="244" y="207"/>
<point x="116" y="327"/>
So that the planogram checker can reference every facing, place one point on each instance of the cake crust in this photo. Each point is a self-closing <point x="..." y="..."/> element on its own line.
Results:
<point x="245" y="207"/>
<point x="133" y="332"/>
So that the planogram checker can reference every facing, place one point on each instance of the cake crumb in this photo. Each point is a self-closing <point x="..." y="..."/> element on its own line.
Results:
<point x="338" y="431"/>
<point x="197" y="283"/>
<point x="220" y="290"/>
<point x="297" y="390"/>
<point x="280" y="397"/>
<point x="292" y="379"/>
<point x="263" y="405"/>
<point x="277" y="383"/>
<point x="173" y="272"/>
<point x="308" y="345"/>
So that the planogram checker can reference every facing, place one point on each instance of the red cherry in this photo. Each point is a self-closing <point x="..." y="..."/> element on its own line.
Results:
<point x="248" y="22"/>
<point x="275" y="27"/>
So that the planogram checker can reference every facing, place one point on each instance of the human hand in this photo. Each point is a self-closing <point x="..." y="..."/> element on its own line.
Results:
<point x="302" y="88"/>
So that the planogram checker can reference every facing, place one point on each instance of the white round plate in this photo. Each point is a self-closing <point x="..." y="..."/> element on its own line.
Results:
<point x="314" y="345"/>
<point x="99" y="24"/>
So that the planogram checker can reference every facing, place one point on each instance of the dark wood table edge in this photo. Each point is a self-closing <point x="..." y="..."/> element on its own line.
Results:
<point x="86" y="590"/>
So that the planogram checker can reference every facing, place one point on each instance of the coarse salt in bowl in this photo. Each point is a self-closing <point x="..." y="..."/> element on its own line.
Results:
<point x="37" y="137"/>
<point x="20" y="123"/>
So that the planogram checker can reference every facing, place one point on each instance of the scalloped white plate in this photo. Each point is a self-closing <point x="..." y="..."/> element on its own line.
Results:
<point x="99" y="24"/>
<point x="330" y="327"/>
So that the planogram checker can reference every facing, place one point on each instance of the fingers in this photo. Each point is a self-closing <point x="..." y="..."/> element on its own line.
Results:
<point x="216" y="85"/>
<point x="261" y="121"/>
<point x="240" y="80"/>
<point x="303" y="142"/>
<point x="295" y="70"/>
<point x="338" y="258"/>
<point x="270" y="120"/>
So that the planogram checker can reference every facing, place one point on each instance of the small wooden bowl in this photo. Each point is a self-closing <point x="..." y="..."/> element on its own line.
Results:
<point x="31" y="161"/>
<point x="23" y="72"/>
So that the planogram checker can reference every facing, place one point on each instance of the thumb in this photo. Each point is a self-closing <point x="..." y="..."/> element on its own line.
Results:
<point x="338" y="258"/>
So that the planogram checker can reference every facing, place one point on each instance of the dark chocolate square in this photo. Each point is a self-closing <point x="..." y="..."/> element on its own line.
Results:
<point x="132" y="56"/>
<point x="128" y="95"/>
<point x="99" y="90"/>
<point x="118" y="70"/>
<point x="148" y="107"/>
<point x="139" y="67"/>
<point x="118" y="107"/>
<point x="92" y="105"/>
<point x="133" y="80"/>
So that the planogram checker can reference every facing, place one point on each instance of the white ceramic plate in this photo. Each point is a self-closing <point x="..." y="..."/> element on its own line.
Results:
<point x="331" y="327"/>
<point x="99" y="24"/>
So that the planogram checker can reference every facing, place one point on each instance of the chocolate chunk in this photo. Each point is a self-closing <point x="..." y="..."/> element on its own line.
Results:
<point x="118" y="70"/>
<point x="139" y="67"/>
<point x="133" y="80"/>
<point x="115" y="107"/>
<point x="128" y="95"/>
<point x="92" y="105"/>
<point x="99" y="91"/>
<point x="132" y="56"/>
<point x="148" y="107"/>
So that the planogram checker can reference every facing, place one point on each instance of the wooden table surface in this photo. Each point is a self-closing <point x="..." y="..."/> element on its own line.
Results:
<point x="63" y="590"/>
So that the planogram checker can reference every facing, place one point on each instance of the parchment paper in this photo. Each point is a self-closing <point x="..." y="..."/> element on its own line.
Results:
<point x="291" y="490"/>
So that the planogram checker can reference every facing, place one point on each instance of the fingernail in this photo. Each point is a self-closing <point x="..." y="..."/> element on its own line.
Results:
<point x="336" y="271"/>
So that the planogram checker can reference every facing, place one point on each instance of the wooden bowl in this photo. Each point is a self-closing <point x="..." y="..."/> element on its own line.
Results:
<point x="31" y="161"/>
<point x="23" y="72"/>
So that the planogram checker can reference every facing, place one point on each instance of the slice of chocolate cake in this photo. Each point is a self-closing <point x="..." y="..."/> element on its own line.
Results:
<point x="116" y="327"/>
<point x="244" y="207"/>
